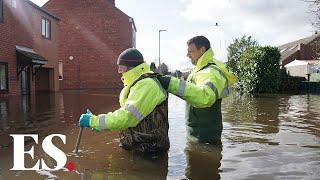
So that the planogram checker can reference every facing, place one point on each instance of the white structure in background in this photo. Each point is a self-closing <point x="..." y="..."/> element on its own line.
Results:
<point x="301" y="68"/>
<point x="218" y="42"/>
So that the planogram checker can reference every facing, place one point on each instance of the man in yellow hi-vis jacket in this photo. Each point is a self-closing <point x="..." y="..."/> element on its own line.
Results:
<point x="143" y="117"/>
<point x="207" y="84"/>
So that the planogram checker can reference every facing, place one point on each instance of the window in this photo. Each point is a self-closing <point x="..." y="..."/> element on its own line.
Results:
<point x="3" y="77"/>
<point x="60" y="71"/>
<point x="46" y="28"/>
<point x="14" y="3"/>
<point x="1" y="10"/>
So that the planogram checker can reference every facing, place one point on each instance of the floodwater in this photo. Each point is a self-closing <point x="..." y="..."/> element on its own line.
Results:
<point x="265" y="137"/>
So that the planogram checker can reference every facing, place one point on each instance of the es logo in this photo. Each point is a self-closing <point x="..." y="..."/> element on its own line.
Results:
<point x="47" y="146"/>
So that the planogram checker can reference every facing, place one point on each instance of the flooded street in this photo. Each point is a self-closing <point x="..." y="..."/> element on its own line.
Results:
<point x="266" y="137"/>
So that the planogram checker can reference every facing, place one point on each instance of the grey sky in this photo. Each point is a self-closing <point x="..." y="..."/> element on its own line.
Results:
<point x="271" y="22"/>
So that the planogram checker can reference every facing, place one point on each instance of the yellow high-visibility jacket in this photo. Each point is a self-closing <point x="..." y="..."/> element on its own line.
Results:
<point x="137" y="100"/>
<point x="207" y="84"/>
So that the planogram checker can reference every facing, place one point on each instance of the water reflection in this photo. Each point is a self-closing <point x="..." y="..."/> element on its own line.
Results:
<point x="300" y="113"/>
<point x="134" y="167"/>
<point x="203" y="161"/>
<point x="253" y="119"/>
<point x="264" y="137"/>
<point x="271" y="136"/>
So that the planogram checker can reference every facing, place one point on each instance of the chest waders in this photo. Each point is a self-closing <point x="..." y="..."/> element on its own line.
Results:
<point x="151" y="134"/>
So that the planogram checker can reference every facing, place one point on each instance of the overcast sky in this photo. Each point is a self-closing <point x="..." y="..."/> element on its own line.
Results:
<point x="271" y="22"/>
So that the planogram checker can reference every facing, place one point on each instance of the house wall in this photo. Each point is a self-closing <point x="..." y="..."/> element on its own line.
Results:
<point x="92" y="35"/>
<point x="48" y="48"/>
<point x="13" y="31"/>
<point x="21" y="26"/>
<point x="299" y="71"/>
<point x="291" y="58"/>
<point x="302" y="70"/>
<point x="313" y="50"/>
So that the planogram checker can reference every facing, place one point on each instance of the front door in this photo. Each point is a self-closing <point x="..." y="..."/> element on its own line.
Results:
<point x="25" y="81"/>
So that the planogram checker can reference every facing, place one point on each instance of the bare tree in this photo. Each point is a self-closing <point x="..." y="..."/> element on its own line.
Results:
<point x="315" y="9"/>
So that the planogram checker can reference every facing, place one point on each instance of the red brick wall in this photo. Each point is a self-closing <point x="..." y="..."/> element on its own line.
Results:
<point x="313" y="49"/>
<point x="94" y="32"/>
<point x="13" y="31"/>
<point x="22" y="27"/>
<point x="309" y="51"/>
<point x="48" y="48"/>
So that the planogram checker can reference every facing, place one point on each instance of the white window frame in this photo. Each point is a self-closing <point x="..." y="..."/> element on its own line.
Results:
<point x="45" y="28"/>
<point x="14" y="3"/>
<point x="60" y="70"/>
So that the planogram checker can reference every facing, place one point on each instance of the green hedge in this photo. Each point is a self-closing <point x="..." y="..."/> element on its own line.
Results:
<point x="259" y="70"/>
<point x="289" y="84"/>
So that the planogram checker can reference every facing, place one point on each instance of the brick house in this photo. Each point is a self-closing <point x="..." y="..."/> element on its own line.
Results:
<point x="92" y="33"/>
<point x="306" y="49"/>
<point x="28" y="48"/>
<point x="40" y="51"/>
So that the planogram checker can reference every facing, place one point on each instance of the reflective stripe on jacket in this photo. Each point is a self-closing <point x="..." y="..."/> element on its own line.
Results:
<point x="207" y="84"/>
<point x="209" y="81"/>
<point x="136" y="101"/>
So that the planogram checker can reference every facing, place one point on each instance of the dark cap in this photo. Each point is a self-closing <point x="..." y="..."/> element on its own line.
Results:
<point x="130" y="57"/>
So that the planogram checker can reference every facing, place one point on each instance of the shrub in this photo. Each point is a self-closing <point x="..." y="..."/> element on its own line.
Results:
<point x="259" y="70"/>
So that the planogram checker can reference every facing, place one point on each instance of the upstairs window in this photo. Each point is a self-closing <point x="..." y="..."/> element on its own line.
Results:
<point x="14" y="3"/>
<point x="1" y="10"/>
<point x="46" y="28"/>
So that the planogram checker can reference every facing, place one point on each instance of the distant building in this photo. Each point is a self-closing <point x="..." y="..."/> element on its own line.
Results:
<point x="28" y="48"/>
<point x="307" y="49"/>
<point x="92" y="33"/>
<point x="303" y="68"/>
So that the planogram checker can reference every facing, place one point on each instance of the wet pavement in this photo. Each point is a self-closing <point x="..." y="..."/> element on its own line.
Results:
<point x="266" y="137"/>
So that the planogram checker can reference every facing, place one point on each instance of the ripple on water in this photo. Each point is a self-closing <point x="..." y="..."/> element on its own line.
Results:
<point x="47" y="174"/>
<point x="266" y="137"/>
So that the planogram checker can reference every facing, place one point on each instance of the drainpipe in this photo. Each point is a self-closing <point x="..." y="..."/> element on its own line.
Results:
<point x="308" y="73"/>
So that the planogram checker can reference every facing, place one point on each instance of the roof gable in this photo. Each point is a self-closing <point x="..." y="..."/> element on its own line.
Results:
<point x="43" y="10"/>
<point x="288" y="49"/>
